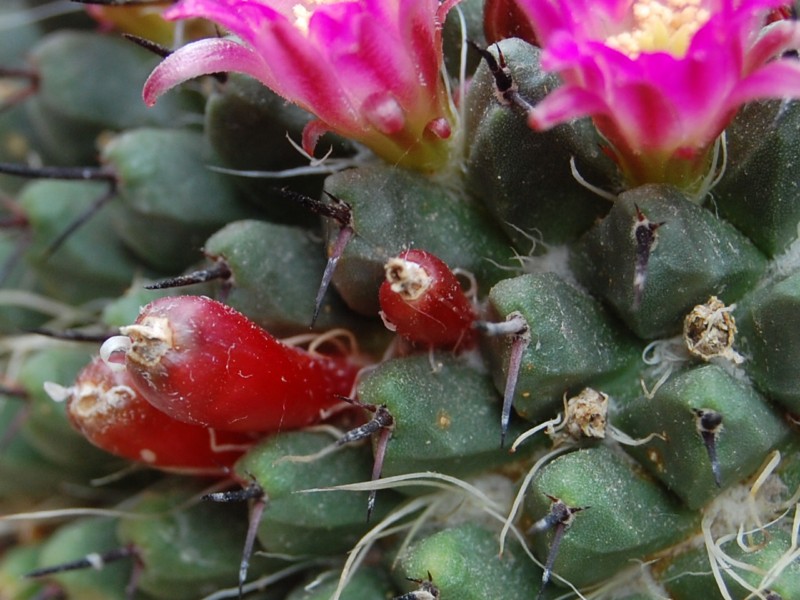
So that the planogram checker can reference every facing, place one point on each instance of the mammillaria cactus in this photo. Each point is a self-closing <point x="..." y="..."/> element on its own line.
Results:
<point x="405" y="299"/>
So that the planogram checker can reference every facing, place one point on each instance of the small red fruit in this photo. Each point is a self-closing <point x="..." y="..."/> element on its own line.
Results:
<point x="422" y="300"/>
<point x="202" y="362"/>
<point x="106" y="408"/>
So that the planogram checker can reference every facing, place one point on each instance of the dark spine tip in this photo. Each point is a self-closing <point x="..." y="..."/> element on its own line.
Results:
<point x="338" y="210"/>
<point x="644" y="236"/>
<point x="81" y="218"/>
<point x="502" y="79"/>
<point x="517" y="327"/>
<point x="340" y="244"/>
<point x="90" y="561"/>
<point x="252" y="491"/>
<point x="377" y="467"/>
<point x="148" y="45"/>
<point x="709" y="424"/>
<point x="64" y="173"/>
<point x="73" y="335"/>
<point x="219" y="270"/>
<point x="256" y="513"/>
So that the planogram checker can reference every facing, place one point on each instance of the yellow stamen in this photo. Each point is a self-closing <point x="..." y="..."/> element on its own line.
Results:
<point x="661" y="26"/>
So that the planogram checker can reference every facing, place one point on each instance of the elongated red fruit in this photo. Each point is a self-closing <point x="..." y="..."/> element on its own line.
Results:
<point x="423" y="301"/>
<point x="202" y="362"/>
<point x="106" y="408"/>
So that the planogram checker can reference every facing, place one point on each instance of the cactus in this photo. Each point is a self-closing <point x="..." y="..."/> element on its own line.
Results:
<point x="410" y="299"/>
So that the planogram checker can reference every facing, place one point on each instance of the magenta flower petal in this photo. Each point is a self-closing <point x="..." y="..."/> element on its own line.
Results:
<point x="661" y="79"/>
<point x="564" y="104"/>
<point x="776" y="39"/>
<point x="777" y="79"/>
<point x="201" y="58"/>
<point x="367" y="69"/>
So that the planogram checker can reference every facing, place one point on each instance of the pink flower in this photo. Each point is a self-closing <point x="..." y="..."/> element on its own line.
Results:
<point x="661" y="78"/>
<point x="368" y="69"/>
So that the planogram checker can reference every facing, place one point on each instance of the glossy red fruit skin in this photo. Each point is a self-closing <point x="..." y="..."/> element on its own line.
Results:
<point x="438" y="314"/>
<point x="202" y="362"/>
<point x="105" y="406"/>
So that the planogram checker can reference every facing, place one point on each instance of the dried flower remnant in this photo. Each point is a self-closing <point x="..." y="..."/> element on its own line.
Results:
<point x="709" y="331"/>
<point x="585" y="416"/>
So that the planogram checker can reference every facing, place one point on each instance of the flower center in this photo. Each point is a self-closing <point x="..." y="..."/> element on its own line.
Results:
<point x="661" y="26"/>
<point x="303" y="10"/>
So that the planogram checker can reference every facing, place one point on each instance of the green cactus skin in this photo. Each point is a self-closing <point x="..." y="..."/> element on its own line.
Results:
<point x="524" y="177"/>
<point x="124" y="309"/>
<point x="695" y="256"/>
<point x="366" y="584"/>
<point x="750" y="429"/>
<point x="759" y="191"/>
<point x="69" y="115"/>
<point x="629" y="516"/>
<point x="394" y="210"/>
<point x="446" y="416"/>
<point x="574" y="341"/>
<point x="248" y="126"/>
<point x="318" y="523"/>
<point x="763" y="319"/>
<point x="463" y="563"/>
<point x="76" y="540"/>
<point x="169" y="202"/>
<point x="542" y="222"/>
<point x="17" y="316"/>
<point x="47" y="428"/>
<point x="25" y="474"/>
<point x="16" y="562"/>
<point x="278" y="290"/>
<point x="91" y="265"/>
<point x="187" y="547"/>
